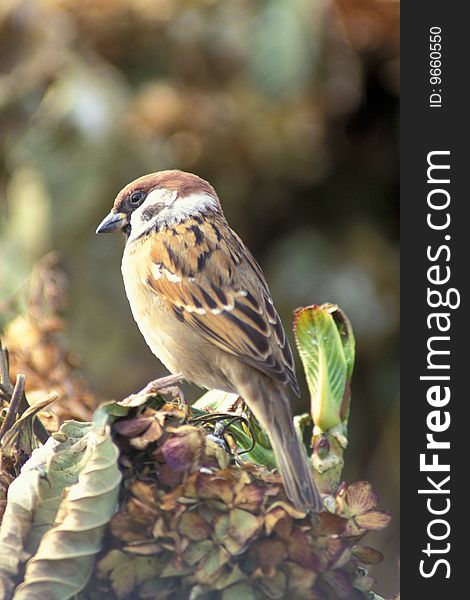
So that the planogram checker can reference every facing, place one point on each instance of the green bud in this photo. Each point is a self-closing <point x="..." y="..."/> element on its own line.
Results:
<point x="326" y="346"/>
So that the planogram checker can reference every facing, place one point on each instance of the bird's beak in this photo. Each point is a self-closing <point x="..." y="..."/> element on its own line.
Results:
<point x="113" y="222"/>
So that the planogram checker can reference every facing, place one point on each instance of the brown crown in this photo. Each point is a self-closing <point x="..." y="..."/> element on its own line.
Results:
<point x="184" y="183"/>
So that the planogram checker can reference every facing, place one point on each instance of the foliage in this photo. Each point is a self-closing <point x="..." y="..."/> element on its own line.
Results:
<point x="199" y="512"/>
<point x="57" y="512"/>
<point x="288" y="108"/>
<point x="327" y="347"/>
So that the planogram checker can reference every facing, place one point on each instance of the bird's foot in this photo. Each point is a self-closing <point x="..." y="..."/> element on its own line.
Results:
<point x="177" y="394"/>
<point x="165" y="386"/>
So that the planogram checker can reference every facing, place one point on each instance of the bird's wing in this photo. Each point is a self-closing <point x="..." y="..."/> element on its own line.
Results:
<point x="210" y="280"/>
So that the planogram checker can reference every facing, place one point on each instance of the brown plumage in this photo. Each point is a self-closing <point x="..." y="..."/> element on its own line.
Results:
<point x="203" y="305"/>
<point x="216" y="280"/>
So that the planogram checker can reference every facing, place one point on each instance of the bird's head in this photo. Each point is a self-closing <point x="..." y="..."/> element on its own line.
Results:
<point x="160" y="200"/>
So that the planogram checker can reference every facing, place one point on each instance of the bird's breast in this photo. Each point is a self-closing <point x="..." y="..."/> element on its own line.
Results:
<point x="149" y="311"/>
<point x="177" y="345"/>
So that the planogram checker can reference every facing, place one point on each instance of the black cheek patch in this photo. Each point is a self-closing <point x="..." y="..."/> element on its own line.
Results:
<point x="147" y="214"/>
<point x="151" y="211"/>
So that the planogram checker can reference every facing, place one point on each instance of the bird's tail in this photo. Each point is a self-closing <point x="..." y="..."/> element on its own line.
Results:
<point x="274" y="414"/>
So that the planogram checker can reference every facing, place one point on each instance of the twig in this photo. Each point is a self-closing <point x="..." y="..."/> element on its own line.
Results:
<point x="14" y="406"/>
<point x="16" y="398"/>
<point x="40" y="431"/>
<point x="5" y="383"/>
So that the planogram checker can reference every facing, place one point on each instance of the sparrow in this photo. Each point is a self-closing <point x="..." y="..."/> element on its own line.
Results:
<point x="204" y="308"/>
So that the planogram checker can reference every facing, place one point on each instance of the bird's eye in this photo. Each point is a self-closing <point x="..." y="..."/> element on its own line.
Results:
<point x="136" y="197"/>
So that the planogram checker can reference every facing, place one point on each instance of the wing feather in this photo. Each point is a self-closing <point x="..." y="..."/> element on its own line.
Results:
<point x="211" y="281"/>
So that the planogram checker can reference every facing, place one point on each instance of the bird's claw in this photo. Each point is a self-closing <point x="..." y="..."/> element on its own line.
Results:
<point x="163" y="386"/>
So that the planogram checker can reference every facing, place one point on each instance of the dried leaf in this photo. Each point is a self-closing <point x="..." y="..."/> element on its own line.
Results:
<point x="241" y="591"/>
<point x="183" y="450"/>
<point x="301" y="551"/>
<point x="275" y="585"/>
<point x="221" y="527"/>
<point x="228" y="576"/>
<point x="301" y="580"/>
<point x="35" y="496"/>
<point x="127" y="572"/>
<point x="374" y="520"/>
<point x="250" y="497"/>
<point x="243" y="525"/>
<point x="367" y="555"/>
<point x="64" y="560"/>
<point x="267" y="554"/>
<point x="211" y="563"/>
<point x="341" y="583"/>
<point x="195" y="552"/>
<point x="143" y="548"/>
<point x="132" y="427"/>
<point x="358" y="504"/>
<point x="212" y="486"/>
<point x="134" y="523"/>
<point x="360" y="497"/>
<point x="275" y="516"/>
<point x="330" y="524"/>
<point x="194" y="526"/>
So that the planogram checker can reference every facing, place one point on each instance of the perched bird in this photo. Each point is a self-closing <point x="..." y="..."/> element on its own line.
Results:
<point x="203" y="306"/>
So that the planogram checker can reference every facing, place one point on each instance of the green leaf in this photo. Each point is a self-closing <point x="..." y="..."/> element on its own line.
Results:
<point x="216" y="401"/>
<point x="258" y="454"/>
<point x="347" y="338"/>
<point x="326" y="346"/>
<point x="109" y="412"/>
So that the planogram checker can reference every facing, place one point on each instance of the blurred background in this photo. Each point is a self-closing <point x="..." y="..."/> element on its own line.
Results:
<point x="289" y="108"/>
